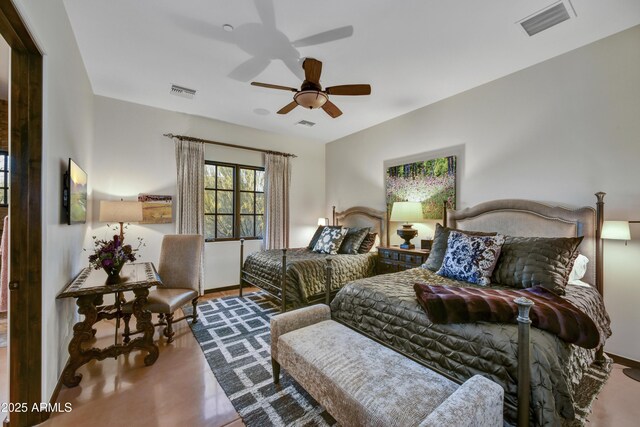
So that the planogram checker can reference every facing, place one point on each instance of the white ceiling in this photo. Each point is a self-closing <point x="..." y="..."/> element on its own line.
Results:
<point x="412" y="52"/>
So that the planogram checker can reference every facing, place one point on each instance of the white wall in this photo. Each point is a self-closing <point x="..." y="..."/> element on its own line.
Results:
<point x="67" y="132"/>
<point x="131" y="157"/>
<point x="558" y="131"/>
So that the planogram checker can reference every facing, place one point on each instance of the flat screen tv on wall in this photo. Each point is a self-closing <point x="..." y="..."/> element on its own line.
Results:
<point x="75" y="194"/>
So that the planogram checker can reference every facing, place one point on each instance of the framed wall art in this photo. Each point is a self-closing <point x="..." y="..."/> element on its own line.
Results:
<point x="430" y="182"/>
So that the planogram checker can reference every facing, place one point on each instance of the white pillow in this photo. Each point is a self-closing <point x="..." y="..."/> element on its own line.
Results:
<point x="579" y="269"/>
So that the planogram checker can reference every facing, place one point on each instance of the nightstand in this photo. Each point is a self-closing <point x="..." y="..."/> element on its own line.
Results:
<point x="392" y="259"/>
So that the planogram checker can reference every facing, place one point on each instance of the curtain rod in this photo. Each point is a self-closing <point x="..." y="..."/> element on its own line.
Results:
<point x="224" y="144"/>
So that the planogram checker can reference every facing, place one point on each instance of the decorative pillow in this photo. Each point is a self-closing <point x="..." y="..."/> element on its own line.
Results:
<point x="367" y="243"/>
<point x="330" y="240"/>
<point x="316" y="235"/>
<point x="353" y="240"/>
<point x="439" y="246"/>
<point x="537" y="261"/>
<point x="471" y="258"/>
<point x="579" y="269"/>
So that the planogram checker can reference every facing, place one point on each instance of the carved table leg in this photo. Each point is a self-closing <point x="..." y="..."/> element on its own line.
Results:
<point x="82" y="331"/>
<point x="144" y="323"/>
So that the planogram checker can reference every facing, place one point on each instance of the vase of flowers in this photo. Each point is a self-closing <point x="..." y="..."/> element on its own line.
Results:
<point x="111" y="256"/>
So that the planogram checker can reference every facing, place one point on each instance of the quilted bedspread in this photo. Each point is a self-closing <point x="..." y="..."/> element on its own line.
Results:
<point x="306" y="271"/>
<point x="385" y="307"/>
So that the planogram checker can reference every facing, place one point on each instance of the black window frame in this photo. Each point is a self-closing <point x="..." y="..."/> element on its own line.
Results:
<point x="236" y="191"/>
<point x="5" y="188"/>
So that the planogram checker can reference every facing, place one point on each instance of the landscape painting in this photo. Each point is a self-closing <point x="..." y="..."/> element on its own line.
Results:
<point x="77" y="194"/>
<point x="156" y="209"/>
<point x="430" y="182"/>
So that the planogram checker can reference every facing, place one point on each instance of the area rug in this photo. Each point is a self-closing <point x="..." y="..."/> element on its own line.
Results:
<point x="234" y="335"/>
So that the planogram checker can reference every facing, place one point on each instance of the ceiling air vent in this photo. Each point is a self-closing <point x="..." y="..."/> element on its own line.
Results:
<point x="306" y="123"/>
<point x="547" y="18"/>
<point x="182" y="92"/>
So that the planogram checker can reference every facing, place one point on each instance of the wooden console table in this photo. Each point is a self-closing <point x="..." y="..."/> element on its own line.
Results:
<point x="89" y="289"/>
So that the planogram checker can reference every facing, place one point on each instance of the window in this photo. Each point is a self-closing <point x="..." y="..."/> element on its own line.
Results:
<point x="4" y="179"/>
<point x="233" y="202"/>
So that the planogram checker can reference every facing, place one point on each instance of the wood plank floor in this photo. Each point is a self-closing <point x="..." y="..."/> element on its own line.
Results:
<point x="179" y="389"/>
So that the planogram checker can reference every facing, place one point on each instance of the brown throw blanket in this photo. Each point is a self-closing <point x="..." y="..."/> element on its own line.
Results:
<point x="551" y="313"/>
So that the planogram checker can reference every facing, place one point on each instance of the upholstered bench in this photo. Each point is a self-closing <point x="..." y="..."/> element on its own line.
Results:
<point x="362" y="383"/>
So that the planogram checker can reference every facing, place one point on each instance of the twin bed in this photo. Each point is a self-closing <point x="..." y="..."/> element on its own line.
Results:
<point x="564" y="377"/>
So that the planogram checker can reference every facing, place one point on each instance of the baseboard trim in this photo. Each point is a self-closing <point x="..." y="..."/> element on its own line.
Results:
<point x="54" y="396"/>
<point x="624" y="361"/>
<point x="226" y="288"/>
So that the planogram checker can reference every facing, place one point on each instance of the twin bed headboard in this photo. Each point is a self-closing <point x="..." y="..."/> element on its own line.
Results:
<point x="360" y="216"/>
<point x="527" y="218"/>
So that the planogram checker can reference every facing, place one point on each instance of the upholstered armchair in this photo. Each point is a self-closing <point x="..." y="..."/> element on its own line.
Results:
<point x="179" y="270"/>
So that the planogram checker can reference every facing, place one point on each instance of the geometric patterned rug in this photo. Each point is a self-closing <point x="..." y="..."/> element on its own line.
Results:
<point x="234" y="335"/>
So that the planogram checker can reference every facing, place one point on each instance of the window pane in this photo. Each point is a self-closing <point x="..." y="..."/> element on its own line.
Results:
<point x="225" y="202"/>
<point x="246" y="179"/>
<point x="246" y="226"/>
<point x="259" y="180"/>
<point x="2" y="160"/>
<point x="209" y="201"/>
<point x="259" y="203"/>
<point x="210" y="176"/>
<point x="246" y="203"/>
<point x="209" y="226"/>
<point x="224" y="226"/>
<point x="260" y="226"/>
<point x="225" y="177"/>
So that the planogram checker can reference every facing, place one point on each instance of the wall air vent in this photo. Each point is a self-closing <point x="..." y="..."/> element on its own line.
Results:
<point x="182" y="92"/>
<point x="306" y="123"/>
<point x="546" y="18"/>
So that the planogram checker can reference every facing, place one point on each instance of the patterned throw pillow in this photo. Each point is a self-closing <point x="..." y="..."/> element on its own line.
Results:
<point x="353" y="240"/>
<point x="367" y="243"/>
<point x="471" y="258"/>
<point x="330" y="240"/>
<point x="316" y="235"/>
<point x="440" y="242"/>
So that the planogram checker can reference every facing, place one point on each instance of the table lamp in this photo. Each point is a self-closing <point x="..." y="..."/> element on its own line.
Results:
<point x="120" y="212"/>
<point x="407" y="212"/>
<point x="619" y="230"/>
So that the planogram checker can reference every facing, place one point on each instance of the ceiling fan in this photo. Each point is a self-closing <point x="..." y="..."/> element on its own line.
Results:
<point x="311" y="94"/>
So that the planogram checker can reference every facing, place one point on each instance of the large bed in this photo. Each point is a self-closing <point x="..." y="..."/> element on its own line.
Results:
<point x="385" y="308"/>
<point x="308" y="277"/>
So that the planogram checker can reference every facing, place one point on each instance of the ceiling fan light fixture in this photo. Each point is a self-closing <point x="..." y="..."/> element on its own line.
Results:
<point x="311" y="98"/>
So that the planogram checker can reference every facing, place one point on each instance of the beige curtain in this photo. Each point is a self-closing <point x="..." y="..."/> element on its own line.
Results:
<point x="277" y="180"/>
<point x="190" y="194"/>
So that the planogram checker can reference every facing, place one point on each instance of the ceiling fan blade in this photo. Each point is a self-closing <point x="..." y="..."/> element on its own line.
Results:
<point x="331" y="109"/>
<point x="349" y="90"/>
<point x="290" y="106"/>
<point x="270" y="86"/>
<point x="312" y="70"/>
<point x="249" y="69"/>
<point x="325" y="37"/>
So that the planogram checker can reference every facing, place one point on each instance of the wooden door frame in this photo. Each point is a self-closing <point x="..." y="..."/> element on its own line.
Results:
<point x="25" y="207"/>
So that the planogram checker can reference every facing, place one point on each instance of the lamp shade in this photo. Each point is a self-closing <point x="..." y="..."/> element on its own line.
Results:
<point x="120" y="211"/>
<point x="406" y="211"/>
<point x="616" y="230"/>
<point x="323" y="221"/>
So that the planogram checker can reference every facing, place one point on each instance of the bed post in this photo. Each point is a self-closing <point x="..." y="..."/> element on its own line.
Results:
<point x="283" y="280"/>
<point x="327" y="281"/>
<point x="524" y="365"/>
<point x="444" y="213"/>
<point x="241" y="263"/>
<point x="333" y="216"/>
<point x="599" y="244"/>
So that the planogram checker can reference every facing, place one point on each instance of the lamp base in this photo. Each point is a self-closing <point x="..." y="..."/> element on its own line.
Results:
<point x="407" y="233"/>
<point x="632" y="373"/>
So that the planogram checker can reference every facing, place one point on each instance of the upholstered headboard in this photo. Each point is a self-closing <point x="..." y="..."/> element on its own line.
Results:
<point x="527" y="218"/>
<point x="359" y="216"/>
